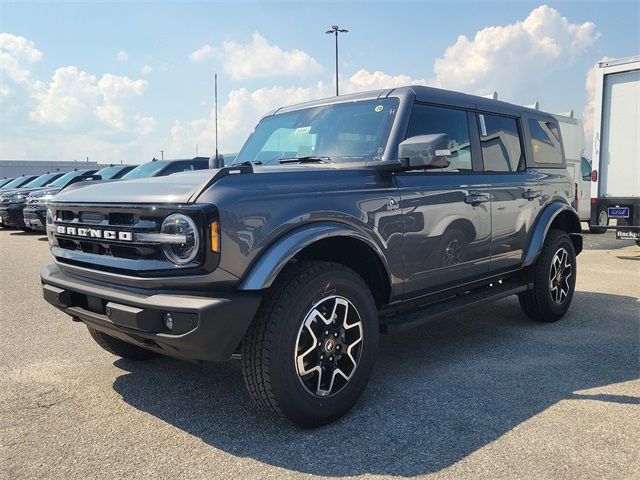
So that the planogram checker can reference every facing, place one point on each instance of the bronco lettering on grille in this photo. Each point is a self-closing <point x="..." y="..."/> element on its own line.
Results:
<point x="95" y="233"/>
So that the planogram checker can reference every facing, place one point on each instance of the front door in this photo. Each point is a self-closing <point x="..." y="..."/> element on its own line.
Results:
<point x="446" y="212"/>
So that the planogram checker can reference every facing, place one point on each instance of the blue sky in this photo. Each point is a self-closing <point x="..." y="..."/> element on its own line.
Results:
<point x="67" y="93"/>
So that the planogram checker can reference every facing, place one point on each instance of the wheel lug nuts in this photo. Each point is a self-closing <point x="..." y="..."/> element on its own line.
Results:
<point x="335" y="334"/>
<point x="331" y="359"/>
<point x="326" y="332"/>
<point x="321" y="357"/>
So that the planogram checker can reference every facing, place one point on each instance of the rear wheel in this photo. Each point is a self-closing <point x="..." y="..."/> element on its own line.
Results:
<point x="554" y="279"/>
<point x="309" y="353"/>
<point x="120" y="348"/>
<point x="603" y="222"/>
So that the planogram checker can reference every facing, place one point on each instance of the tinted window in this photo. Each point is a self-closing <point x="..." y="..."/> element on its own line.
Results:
<point x="428" y="120"/>
<point x="178" y="167"/>
<point x="585" y="166"/>
<point x="545" y="142"/>
<point x="500" y="141"/>
<point x="115" y="172"/>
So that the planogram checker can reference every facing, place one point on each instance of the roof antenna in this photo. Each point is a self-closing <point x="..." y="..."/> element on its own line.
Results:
<point x="216" y="160"/>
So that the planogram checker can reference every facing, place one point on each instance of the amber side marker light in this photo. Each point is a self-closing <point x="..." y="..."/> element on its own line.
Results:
<point x="215" y="236"/>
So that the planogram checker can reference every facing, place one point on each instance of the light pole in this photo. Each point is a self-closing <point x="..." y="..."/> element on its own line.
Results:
<point x="336" y="30"/>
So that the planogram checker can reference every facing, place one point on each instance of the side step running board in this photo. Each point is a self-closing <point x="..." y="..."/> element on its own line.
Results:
<point x="402" y="322"/>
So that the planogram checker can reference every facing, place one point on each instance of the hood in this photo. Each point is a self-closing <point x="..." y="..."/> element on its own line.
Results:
<point x="176" y="188"/>
<point x="41" y="192"/>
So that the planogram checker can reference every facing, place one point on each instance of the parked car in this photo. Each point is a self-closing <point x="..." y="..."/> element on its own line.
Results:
<point x="161" y="168"/>
<point x="34" y="209"/>
<point x="341" y="218"/>
<point x="12" y="200"/>
<point x="4" y="181"/>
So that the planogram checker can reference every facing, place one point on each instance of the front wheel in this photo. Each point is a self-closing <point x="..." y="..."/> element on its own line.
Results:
<point x="554" y="279"/>
<point x="309" y="353"/>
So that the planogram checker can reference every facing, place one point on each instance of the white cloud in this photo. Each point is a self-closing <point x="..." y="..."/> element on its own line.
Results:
<point x="513" y="58"/>
<point x="145" y="125"/>
<point x="259" y="58"/>
<point x="588" y="112"/>
<point x="17" y="54"/>
<point x="122" y="56"/>
<point x="362" y="80"/>
<point x="204" y="52"/>
<point x="75" y="99"/>
<point x="244" y="107"/>
<point x="146" y="70"/>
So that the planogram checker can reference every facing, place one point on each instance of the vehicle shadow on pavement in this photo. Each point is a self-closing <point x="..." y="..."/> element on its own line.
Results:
<point x="438" y="393"/>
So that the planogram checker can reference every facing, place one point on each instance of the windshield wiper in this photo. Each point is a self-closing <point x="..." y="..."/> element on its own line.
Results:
<point x="309" y="159"/>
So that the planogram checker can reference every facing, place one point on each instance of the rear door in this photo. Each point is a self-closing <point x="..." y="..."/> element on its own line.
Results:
<point x="515" y="191"/>
<point x="446" y="211"/>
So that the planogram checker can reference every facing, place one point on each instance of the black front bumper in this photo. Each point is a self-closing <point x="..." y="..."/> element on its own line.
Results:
<point x="35" y="218"/>
<point x="205" y="328"/>
<point x="12" y="215"/>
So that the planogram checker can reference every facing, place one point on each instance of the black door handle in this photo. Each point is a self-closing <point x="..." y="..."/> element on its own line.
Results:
<point x="476" y="199"/>
<point x="531" y="194"/>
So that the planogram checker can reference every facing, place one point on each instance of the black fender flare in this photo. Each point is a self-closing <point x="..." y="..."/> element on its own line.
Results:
<point x="542" y="226"/>
<point x="266" y="268"/>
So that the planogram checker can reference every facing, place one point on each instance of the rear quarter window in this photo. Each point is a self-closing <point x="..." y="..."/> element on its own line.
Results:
<point x="545" y="142"/>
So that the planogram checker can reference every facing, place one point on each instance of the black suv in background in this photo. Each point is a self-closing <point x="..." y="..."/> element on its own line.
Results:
<point x="34" y="208"/>
<point x="342" y="218"/>
<point x="12" y="201"/>
<point x="161" y="168"/>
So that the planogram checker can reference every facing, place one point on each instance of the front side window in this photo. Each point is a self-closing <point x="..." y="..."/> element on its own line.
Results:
<point x="428" y="120"/>
<point x="500" y="142"/>
<point x="341" y="132"/>
<point x="586" y="168"/>
<point x="63" y="180"/>
<point x="545" y="142"/>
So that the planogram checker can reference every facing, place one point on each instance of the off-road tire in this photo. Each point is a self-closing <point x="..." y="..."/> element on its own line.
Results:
<point x="120" y="348"/>
<point x="538" y="303"/>
<point x="269" y="347"/>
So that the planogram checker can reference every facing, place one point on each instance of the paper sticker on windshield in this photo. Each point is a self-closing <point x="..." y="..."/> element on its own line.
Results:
<point x="378" y="108"/>
<point x="302" y="130"/>
<point x="443" y="153"/>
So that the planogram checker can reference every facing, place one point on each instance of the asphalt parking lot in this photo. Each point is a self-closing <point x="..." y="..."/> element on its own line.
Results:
<point x="484" y="394"/>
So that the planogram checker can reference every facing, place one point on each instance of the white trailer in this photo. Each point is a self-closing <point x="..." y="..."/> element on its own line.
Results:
<point x="615" y="190"/>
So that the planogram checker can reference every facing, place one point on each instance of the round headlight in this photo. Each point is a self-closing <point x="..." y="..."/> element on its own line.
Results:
<point x="184" y="248"/>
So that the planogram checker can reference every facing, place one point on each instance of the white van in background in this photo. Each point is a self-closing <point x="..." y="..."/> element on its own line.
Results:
<point x="577" y="163"/>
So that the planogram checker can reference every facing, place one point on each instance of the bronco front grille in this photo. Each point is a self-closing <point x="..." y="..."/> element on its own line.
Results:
<point x="103" y="237"/>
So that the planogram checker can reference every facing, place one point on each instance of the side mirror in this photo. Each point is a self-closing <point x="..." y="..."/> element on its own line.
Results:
<point x="425" y="151"/>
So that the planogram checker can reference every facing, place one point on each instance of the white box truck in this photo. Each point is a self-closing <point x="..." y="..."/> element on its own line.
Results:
<point x="615" y="188"/>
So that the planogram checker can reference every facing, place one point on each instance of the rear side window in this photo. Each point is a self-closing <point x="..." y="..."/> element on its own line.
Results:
<point x="585" y="166"/>
<point x="427" y="120"/>
<point x="545" y="142"/>
<point x="500" y="142"/>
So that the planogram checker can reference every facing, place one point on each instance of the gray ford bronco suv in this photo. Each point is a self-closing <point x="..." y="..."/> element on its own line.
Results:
<point x="340" y="219"/>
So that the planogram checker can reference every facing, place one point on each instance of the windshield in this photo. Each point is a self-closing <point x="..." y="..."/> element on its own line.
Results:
<point x="62" y="181"/>
<point x="109" y="172"/>
<point x="145" y="170"/>
<point x="341" y="132"/>
<point x="41" y="181"/>
<point x="14" y="183"/>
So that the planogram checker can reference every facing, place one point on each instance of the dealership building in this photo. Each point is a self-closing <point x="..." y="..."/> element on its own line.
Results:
<point x="15" y="168"/>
